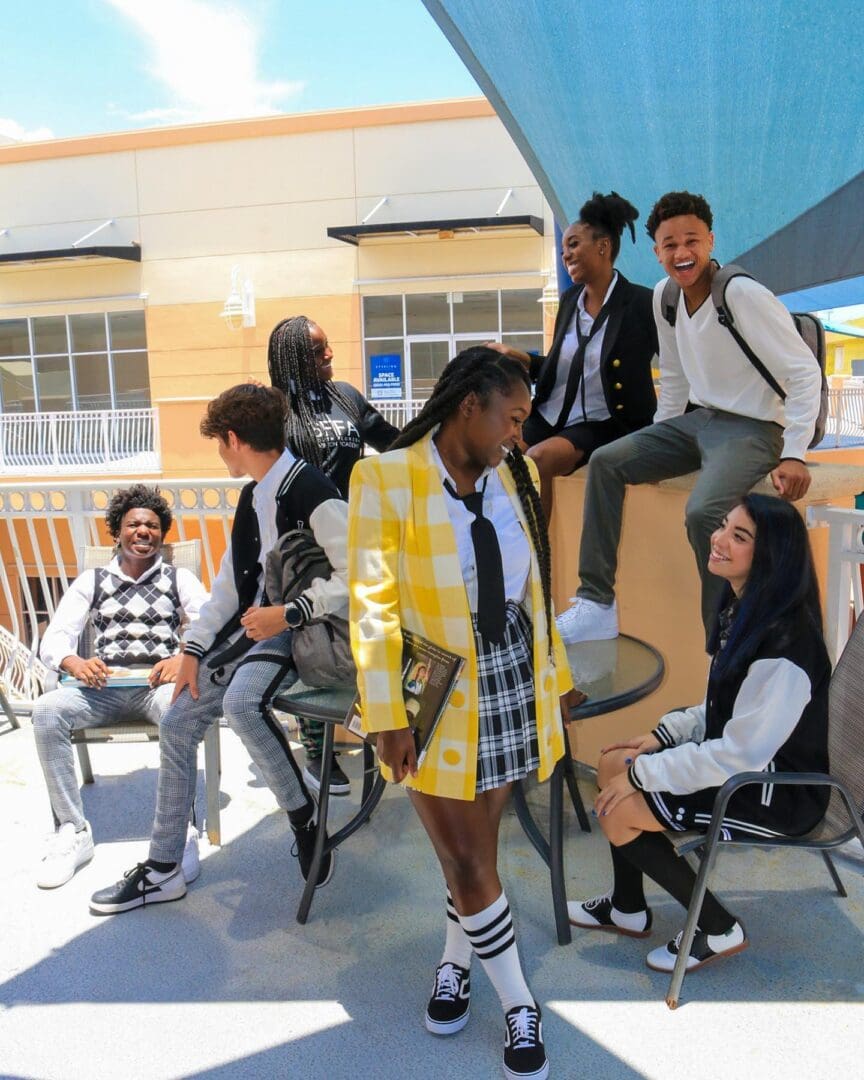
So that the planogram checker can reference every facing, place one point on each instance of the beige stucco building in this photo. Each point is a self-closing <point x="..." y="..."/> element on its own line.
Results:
<point x="117" y="252"/>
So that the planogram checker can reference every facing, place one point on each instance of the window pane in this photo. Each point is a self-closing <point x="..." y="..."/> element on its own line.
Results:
<point x="49" y="335"/>
<point x="427" y="313"/>
<point x="530" y="343"/>
<point x="476" y="312"/>
<point x="127" y="330"/>
<point x="389" y="347"/>
<point x="13" y="338"/>
<point x="131" y="381"/>
<point x="521" y="309"/>
<point x="428" y="360"/>
<point x="55" y="384"/>
<point x="88" y="333"/>
<point x="16" y="386"/>
<point x="91" y="381"/>
<point x="382" y="316"/>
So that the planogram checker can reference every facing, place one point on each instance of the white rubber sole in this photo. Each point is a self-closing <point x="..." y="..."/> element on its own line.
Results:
<point x="437" y="1028"/>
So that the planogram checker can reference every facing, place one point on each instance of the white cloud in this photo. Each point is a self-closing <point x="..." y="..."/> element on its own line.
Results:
<point x="12" y="131"/>
<point x="206" y="56"/>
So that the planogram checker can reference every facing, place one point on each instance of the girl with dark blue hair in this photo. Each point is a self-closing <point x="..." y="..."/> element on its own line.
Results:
<point x="766" y="709"/>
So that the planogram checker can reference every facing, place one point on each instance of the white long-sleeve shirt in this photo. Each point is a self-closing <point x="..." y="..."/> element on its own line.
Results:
<point x="64" y="631"/>
<point x="700" y="361"/>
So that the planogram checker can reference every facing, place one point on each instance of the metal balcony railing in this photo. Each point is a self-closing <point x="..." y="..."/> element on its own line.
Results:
<point x="106" y="440"/>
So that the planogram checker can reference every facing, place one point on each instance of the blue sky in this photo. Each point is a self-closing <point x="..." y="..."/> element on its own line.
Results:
<point x="76" y="67"/>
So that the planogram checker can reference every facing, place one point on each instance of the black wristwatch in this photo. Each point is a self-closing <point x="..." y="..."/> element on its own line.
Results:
<point x="293" y="616"/>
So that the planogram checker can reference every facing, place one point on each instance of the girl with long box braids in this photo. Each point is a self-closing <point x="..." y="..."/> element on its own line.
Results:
<point x="329" y="424"/>
<point x="420" y="560"/>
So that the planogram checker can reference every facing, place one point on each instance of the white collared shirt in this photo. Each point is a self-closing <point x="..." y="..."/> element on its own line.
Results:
<point x="514" y="544"/>
<point x="595" y="400"/>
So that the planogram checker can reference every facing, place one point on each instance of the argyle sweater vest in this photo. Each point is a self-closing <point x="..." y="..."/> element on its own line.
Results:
<point x="136" y="622"/>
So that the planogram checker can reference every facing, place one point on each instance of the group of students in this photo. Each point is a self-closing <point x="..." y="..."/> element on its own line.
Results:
<point x="444" y="535"/>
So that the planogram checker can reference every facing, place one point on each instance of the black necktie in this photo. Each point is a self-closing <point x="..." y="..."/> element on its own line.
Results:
<point x="490" y="570"/>
<point x="577" y="364"/>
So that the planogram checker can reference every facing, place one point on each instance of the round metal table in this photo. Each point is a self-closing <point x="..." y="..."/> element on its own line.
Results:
<point x="611" y="673"/>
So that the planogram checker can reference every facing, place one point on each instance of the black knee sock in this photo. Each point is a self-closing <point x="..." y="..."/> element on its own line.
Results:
<point x="627" y="892"/>
<point x="654" y="855"/>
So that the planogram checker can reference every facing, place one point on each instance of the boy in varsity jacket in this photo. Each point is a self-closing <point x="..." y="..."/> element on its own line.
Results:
<point x="136" y="606"/>
<point x="737" y="431"/>
<point x="239" y="652"/>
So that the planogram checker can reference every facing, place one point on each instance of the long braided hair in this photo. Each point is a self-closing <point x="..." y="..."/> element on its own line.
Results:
<point x="293" y="370"/>
<point x="483" y="371"/>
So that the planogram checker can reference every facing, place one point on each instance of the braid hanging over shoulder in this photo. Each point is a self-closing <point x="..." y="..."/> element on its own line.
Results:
<point x="481" y="371"/>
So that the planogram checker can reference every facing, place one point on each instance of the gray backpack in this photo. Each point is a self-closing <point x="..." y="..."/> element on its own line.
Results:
<point x="808" y="326"/>
<point x="320" y="649"/>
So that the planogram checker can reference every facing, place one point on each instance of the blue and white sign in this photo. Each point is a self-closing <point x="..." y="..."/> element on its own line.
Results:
<point x="385" y="370"/>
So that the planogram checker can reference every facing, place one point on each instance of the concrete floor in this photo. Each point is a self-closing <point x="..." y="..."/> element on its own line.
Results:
<point x="225" y="983"/>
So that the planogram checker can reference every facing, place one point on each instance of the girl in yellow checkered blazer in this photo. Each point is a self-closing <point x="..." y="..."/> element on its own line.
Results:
<point x="414" y="563"/>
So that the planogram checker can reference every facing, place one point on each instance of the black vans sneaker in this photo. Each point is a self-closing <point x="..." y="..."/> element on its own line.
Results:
<point x="304" y="849"/>
<point x="705" y="948"/>
<point x="139" y="886"/>
<point x="339" y="782"/>
<point x="448" y="1008"/>
<point x="524" y="1053"/>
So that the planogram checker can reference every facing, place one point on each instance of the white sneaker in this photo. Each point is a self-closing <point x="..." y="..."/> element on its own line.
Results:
<point x="587" y="620"/>
<point x="65" y="851"/>
<point x="191" y="863"/>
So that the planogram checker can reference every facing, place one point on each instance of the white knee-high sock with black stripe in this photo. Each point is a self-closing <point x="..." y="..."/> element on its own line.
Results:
<point x="457" y="947"/>
<point x="491" y="935"/>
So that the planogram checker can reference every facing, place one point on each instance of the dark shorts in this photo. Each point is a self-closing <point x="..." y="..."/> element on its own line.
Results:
<point x="744" y="818"/>
<point x="585" y="437"/>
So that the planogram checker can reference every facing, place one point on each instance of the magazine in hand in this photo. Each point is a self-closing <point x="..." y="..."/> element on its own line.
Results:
<point x="131" y="677"/>
<point x="429" y="674"/>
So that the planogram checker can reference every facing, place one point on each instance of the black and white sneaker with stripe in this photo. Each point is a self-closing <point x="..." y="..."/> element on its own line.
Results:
<point x="139" y="886"/>
<point x="524" y="1053"/>
<point x="705" y="948"/>
<point x="449" y="1006"/>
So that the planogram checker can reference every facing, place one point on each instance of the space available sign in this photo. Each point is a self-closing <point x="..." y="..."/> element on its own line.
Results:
<point x="385" y="370"/>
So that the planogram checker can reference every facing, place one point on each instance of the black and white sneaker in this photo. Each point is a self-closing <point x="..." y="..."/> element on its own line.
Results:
<point x="139" y="886"/>
<point x="449" y="1006"/>
<point x="705" y="948"/>
<point x="524" y="1053"/>
<point x="599" y="913"/>
<point x="304" y="849"/>
<point x="339" y="782"/>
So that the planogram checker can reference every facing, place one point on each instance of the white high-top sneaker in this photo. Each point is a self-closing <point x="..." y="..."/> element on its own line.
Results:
<point x="191" y="863"/>
<point x="65" y="851"/>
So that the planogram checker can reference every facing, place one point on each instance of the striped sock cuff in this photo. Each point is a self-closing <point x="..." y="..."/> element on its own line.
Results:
<point x="452" y="914"/>
<point x="494" y="936"/>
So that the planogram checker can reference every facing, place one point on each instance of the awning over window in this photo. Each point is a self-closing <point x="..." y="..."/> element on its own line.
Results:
<point x="124" y="252"/>
<point x="353" y="234"/>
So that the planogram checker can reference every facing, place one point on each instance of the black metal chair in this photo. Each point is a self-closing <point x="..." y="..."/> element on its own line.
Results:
<point x="842" y="822"/>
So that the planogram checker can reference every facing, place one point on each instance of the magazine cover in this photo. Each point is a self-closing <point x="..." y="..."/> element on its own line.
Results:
<point x="429" y="673"/>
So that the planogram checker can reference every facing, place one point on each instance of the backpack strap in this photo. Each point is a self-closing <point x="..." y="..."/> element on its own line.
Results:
<point x="719" y="283"/>
<point x="669" y="301"/>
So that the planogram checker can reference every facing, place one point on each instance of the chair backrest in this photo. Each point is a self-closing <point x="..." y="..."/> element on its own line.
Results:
<point x="846" y="729"/>
<point x="184" y="554"/>
<point x="22" y="674"/>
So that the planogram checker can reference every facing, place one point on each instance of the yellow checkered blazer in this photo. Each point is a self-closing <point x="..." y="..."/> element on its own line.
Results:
<point x="404" y="570"/>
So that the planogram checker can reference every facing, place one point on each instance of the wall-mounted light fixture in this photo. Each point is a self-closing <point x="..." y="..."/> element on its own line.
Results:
<point x="239" y="310"/>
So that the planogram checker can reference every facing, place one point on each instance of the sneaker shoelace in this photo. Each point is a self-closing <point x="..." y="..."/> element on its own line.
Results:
<point x="596" y="901"/>
<point x="446" y="983"/>
<point x="523" y="1028"/>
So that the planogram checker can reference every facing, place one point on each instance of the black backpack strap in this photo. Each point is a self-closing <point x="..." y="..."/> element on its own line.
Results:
<point x="669" y="301"/>
<point x="719" y="283"/>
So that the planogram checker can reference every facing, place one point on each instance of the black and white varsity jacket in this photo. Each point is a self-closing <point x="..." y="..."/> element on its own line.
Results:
<point x="305" y="499"/>
<point x="771" y="717"/>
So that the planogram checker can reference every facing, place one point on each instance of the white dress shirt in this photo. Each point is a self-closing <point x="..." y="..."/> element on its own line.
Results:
<point x="514" y="544"/>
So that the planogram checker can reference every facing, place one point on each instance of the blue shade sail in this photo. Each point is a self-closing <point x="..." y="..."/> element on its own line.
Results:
<point x="759" y="106"/>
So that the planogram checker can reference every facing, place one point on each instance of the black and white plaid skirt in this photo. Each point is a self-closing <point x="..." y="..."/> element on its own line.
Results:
<point x="507" y="748"/>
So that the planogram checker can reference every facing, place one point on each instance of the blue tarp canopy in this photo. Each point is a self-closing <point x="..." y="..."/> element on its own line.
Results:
<point x="759" y="106"/>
